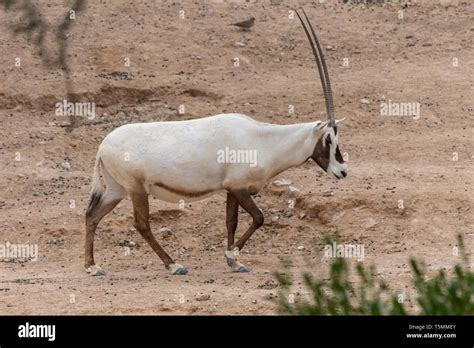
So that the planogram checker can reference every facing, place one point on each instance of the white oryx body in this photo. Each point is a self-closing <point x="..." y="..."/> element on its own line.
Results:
<point x="190" y="160"/>
<point x="180" y="160"/>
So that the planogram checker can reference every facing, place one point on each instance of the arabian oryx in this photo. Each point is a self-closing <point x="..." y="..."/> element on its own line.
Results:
<point x="177" y="161"/>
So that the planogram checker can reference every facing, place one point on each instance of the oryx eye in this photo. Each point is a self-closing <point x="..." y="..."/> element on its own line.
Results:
<point x="328" y="140"/>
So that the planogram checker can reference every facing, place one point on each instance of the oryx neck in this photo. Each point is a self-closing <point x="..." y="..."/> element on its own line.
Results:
<point x="290" y="145"/>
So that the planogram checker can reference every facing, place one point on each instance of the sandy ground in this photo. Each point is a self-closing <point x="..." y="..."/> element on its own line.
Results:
<point x="189" y="62"/>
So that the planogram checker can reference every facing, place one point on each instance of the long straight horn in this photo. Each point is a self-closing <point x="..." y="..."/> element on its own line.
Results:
<point x="322" y="68"/>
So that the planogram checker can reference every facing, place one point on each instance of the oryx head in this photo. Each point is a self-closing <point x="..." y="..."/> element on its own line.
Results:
<point x="326" y="152"/>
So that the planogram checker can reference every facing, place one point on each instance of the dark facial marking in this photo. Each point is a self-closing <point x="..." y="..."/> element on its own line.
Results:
<point x="328" y="140"/>
<point x="338" y="155"/>
<point x="321" y="154"/>
<point x="183" y="192"/>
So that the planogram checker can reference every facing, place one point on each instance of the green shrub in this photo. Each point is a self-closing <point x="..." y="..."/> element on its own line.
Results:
<point x="443" y="294"/>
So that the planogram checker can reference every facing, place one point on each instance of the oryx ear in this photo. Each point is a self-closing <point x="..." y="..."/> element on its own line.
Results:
<point x="340" y="120"/>
<point x="316" y="126"/>
<point x="319" y="125"/>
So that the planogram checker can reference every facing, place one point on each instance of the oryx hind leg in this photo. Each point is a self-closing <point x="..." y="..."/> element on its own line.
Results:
<point x="141" y="212"/>
<point x="99" y="206"/>
<point x="244" y="199"/>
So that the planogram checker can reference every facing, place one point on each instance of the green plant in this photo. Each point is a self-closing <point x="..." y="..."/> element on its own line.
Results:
<point x="442" y="294"/>
<point x="446" y="294"/>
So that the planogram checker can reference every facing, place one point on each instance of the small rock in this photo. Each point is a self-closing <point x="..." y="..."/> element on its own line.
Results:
<point x="275" y="218"/>
<point x="301" y="248"/>
<point x="282" y="182"/>
<point x="203" y="297"/>
<point x="371" y="223"/>
<point x="328" y="193"/>
<point x="269" y="296"/>
<point x="127" y="243"/>
<point x="66" y="165"/>
<point x="254" y="301"/>
<point x="364" y="101"/>
<point x="287" y="214"/>
<point x="293" y="191"/>
<point x="240" y="44"/>
<point x="268" y="285"/>
<point x="165" y="230"/>
<point x="302" y="215"/>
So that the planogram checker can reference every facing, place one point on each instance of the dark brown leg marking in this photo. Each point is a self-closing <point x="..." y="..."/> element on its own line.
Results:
<point x="93" y="216"/>
<point x="245" y="200"/>
<point x="141" y="212"/>
<point x="232" y="213"/>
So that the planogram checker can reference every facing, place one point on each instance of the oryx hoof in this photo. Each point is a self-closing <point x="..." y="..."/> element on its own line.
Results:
<point x="240" y="268"/>
<point x="177" y="269"/>
<point x="230" y="261"/>
<point x="95" y="270"/>
<point x="235" y="265"/>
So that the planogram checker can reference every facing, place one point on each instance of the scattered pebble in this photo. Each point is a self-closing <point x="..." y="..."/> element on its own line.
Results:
<point x="269" y="284"/>
<point x="328" y="193"/>
<point x="293" y="191"/>
<point x="269" y="296"/>
<point x="282" y="182"/>
<point x="127" y="243"/>
<point x="371" y="223"/>
<point x="203" y="297"/>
